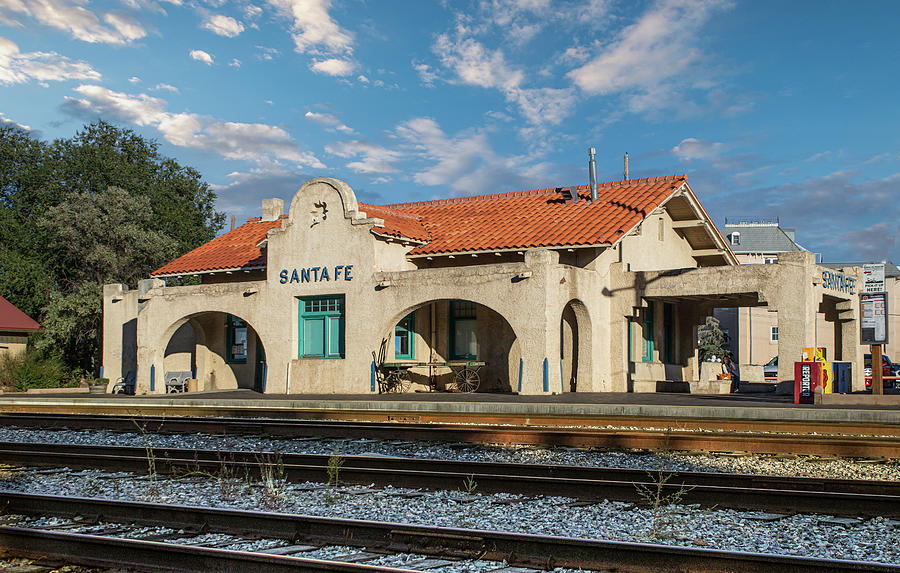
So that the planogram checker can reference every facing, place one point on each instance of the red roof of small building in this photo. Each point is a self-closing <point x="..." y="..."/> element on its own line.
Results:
<point x="14" y="320"/>
<point x="518" y="220"/>
<point x="236" y="249"/>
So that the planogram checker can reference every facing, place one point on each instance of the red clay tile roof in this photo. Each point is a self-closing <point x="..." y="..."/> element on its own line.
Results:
<point x="519" y="220"/>
<point x="397" y="223"/>
<point x="237" y="249"/>
<point x="14" y="320"/>
<point x="539" y="218"/>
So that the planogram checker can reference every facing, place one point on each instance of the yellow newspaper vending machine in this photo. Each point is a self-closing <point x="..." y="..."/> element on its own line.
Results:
<point x="817" y="354"/>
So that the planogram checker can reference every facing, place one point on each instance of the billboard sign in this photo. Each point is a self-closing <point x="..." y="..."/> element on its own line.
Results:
<point x="873" y="278"/>
<point x="874" y="313"/>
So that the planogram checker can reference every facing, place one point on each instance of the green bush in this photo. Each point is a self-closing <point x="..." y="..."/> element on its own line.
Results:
<point x="31" y="369"/>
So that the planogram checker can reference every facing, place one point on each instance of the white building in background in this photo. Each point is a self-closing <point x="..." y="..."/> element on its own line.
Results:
<point x="753" y="331"/>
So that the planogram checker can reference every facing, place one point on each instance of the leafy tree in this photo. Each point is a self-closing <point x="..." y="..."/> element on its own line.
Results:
<point x="105" y="236"/>
<point x="103" y="206"/>
<point x="711" y="339"/>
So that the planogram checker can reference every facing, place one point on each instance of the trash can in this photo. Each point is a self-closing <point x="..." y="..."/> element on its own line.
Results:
<point x="807" y="377"/>
<point x="842" y="377"/>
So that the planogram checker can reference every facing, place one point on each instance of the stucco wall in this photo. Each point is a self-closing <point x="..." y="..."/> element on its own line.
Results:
<point x="12" y="344"/>
<point x="530" y="305"/>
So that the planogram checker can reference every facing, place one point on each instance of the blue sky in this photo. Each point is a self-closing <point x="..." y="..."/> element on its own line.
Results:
<point x="772" y="108"/>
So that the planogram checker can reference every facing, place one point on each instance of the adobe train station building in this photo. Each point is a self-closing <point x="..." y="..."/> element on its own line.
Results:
<point x="555" y="290"/>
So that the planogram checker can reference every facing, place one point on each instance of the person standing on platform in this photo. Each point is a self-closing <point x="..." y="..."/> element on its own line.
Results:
<point x="729" y="367"/>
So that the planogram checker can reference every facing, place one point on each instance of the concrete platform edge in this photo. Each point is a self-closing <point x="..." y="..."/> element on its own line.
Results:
<point x="818" y="414"/>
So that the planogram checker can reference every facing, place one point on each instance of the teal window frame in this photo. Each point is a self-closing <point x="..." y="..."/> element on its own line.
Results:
<point x="406" y="328"/>
<point x="321" y="326"/>
<point x="462" y="311"/>
<point x="232" y="325"/>
<point x="647" y="334"/>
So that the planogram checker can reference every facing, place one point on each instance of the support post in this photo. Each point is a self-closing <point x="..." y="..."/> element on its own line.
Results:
<point x="877" y="377"/>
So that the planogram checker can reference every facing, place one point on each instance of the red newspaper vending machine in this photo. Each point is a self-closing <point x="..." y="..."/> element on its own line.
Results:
<point x="807" y="377"/>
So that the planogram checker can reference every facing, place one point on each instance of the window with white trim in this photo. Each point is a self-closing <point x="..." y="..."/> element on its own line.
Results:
<point x="773" y="335"/>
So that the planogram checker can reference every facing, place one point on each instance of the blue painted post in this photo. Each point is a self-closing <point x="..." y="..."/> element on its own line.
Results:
<point x="372" y="376"/>
<point x="521" y="367"/>
<point x="546" y="375"/>
<point x="562" y="384"/>
<point x="101" y="371"/>
<point x="265" y="376"/>
<point x="152" y="377"/>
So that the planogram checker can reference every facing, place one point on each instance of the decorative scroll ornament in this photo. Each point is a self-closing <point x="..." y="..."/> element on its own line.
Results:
<point x="319" y="214"/>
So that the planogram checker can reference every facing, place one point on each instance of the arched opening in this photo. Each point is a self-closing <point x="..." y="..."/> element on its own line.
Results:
<point x="431" y="340"/>
<point x="221" y="351"/>
<point x="574" y="348"/>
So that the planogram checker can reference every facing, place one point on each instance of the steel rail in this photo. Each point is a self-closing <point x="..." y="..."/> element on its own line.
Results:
<point x="135" y="554"/>
<point x="213" y="459"/>
<point x="747" y="492"/>
<point x="805" y="443"/>
<point x="519" y="549"/>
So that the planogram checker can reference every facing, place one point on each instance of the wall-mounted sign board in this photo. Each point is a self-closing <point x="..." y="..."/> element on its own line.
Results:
<point x="873" y="327"/>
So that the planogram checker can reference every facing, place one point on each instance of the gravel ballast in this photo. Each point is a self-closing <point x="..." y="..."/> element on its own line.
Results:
<point x="800" y="466"/>
<point x="821" y="536"/>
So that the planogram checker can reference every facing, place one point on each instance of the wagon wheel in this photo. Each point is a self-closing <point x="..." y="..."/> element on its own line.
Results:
<point x="398" y="381"/>
<point x="383" y="382"/>
<point x="467" y="380"/>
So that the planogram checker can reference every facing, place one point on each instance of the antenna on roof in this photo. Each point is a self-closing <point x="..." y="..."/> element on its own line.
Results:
<point x="592" y="167"/>
<point x="626" y="166"/>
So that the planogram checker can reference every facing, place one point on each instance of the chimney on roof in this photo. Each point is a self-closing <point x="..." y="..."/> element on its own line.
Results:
<point x="272" y="209"/>
<point x="592" y="167"/>
<point x="626" y="166"/>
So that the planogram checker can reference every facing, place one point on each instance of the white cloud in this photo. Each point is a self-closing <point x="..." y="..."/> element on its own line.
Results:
<point x="234" y="63"/>
<point x="333" y="67"/>
<point x="313" y="27"/>
<point x="426" y="73"/>
<point x="223" y="25"/>
<point x="375" y="159"/>
<point x="245" y="189"/>
<point x="654" y="49"/>
<point x="475" y="64"/>
<point x="362" y="79"/>
<point x="466" y="163"/>
<point x="252" y="11"/>
<point x="545" y="105"/>
<point x="692" y="148"/>
<point x="6" y="121"/>
<point x="134" y="80"/>
<point x="71" y="16"/>
<point x="166" y="87"/>
<point x="17" y="67"/>
<point x="267" y="53"/>
<point x="202" y="56"/>
<point x="256" y="142"/>
<point x="821" y="156"/>
<point x="882" y="157"/>
<point x="331" y="122"/>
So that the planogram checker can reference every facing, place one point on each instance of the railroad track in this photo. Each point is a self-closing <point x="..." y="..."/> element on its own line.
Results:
<point x="299" y="533"/>
<point x="739" y="491"/>
<point x="803" y="442"/>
